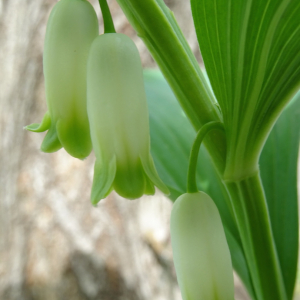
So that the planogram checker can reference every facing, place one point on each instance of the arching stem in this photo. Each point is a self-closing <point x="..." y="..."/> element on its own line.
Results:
<point x="107" y="18"/>
<point x="191" y="179"/>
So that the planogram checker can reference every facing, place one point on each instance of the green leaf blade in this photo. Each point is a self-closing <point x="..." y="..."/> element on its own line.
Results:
<point x="251" y="50"/>
<point x="279" y="176"/>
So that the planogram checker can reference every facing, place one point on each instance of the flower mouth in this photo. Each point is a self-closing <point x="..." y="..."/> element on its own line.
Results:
<point x="130" y="180"/>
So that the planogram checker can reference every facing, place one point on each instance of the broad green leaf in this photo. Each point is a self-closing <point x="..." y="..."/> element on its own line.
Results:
<point x="251" y="51"/>
<point x="171" y="139"/>
<point x="279" y="175"/>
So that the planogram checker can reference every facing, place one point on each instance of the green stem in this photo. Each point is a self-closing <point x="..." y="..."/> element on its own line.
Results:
<point x="253" y="222"/>
<point x="192" y="174"/>
<point x="107" y="18"/>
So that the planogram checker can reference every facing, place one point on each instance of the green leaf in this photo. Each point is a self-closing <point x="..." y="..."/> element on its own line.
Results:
<point x="279" y="175"/>
<point x="251" y="51"/>
<point x="172" y="137"/>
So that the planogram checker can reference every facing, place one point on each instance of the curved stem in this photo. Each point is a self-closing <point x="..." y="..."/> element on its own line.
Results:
<point x="191" y="178"/>
<point x="107" y="18"/>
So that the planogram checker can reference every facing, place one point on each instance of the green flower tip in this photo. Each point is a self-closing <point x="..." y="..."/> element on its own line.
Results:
<point x="130" y="181"/>
<point x="71" y="29"/>
<point x="119" y="123"/>
<point x="200" y="250"/>
<point x="32" y="127"/>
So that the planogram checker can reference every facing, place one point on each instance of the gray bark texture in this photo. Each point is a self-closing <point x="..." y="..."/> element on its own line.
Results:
<point x="54" y="245"/>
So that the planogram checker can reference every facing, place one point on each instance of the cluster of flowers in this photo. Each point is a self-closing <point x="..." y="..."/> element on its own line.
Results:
<point x="96" y="99"/>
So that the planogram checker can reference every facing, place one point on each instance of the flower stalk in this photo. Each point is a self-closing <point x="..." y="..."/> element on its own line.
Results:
<point x="109" y="26"/>
<point x="191" y="179"/>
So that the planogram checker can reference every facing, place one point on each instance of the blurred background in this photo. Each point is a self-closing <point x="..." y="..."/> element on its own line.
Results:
<point x="54" y="244"/>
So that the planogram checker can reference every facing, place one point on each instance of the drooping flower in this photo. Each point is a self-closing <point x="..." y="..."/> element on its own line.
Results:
<point x="200" y="250"/>
<point x="119" y="121"/>
<point x="71" y="29"/>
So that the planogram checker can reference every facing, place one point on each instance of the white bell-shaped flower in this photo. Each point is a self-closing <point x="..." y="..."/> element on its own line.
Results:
<point x="71" y="29"/>
<point x="200" y="250"/>
<point x="119" y="120"/>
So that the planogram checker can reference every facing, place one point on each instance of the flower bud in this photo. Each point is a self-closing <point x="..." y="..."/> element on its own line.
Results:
<point x="71" y="29"/>
<point x="119" y="121"/>
<point x="201" y="254"/>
